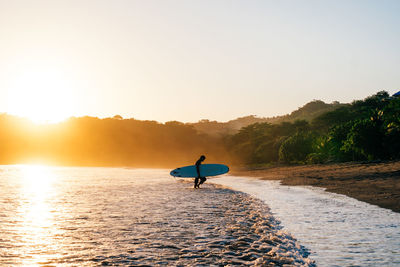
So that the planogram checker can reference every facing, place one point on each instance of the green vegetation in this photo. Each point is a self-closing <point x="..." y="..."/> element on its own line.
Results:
<point x="365" y="130"/>
<point x="307" y="112"/>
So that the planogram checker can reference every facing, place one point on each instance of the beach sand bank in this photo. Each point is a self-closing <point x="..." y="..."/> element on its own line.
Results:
<point x="374" y="183"/>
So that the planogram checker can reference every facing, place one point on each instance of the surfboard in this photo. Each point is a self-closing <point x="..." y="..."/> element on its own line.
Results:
<point x="206" y="170"/>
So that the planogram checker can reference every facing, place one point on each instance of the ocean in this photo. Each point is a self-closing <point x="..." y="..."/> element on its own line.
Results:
<point x="69" y="216"/>
<point x="57" y="216"/>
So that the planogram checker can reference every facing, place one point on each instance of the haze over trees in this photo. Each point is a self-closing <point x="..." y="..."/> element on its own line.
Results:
<point x="364" y="130"/>
<point x="91" y="141"/>
<point x="306" y="112"/>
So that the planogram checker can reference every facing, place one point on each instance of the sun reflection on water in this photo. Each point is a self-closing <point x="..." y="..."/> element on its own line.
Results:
<point x="37" y="227"/>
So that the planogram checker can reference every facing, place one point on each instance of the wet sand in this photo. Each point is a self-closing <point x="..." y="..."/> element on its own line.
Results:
<point x="374" y="183"/>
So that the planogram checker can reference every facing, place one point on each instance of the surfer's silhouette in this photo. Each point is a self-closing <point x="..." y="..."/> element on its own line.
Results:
<point x="199" y="180"/>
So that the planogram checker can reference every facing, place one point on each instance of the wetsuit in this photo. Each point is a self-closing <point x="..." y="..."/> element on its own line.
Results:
<point x="202" y="179"/>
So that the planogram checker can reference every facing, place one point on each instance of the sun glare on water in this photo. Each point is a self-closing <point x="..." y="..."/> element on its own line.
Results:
<point x="37" y="194"/>
<point x="37" y="178"/>
<point x="37" y="187"/>
<point x="43" y="96"/>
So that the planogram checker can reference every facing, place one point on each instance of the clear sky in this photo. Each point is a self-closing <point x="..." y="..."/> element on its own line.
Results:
<point x="191" y="60"/>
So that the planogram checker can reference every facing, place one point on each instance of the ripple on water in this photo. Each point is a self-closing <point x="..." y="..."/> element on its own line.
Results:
<point x="138" y="217"/>
<point x="337" y="229"/>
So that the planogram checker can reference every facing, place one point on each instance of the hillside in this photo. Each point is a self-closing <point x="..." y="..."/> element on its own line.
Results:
<point x="307" y="112"/>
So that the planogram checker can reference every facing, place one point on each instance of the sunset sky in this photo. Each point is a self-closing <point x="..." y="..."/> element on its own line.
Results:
<point x="191" y="60"/>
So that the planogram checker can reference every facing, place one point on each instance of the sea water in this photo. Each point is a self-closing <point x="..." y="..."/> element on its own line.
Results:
<point x="143" y="217"/>
<point x="338" y="230"/>
<point x="140" y="217"/>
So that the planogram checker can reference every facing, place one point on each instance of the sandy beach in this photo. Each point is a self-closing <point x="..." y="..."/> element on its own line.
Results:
<point x="374" y="183"/>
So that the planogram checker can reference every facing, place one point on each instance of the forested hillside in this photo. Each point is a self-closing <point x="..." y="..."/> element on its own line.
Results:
<point x="91" y="141"/>
<point x="366" y="129"/>
<point x="307" y="112"/>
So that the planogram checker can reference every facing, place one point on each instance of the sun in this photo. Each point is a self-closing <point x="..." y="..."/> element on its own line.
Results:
<point x="42" y="95"/>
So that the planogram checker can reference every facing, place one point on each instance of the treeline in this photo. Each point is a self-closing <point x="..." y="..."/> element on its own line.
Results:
<point x="365" y="130"/>
<point x="91" y="141"/>
<point x="307" y="112"/>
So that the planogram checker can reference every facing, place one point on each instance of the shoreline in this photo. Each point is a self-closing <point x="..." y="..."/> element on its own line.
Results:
<point x="374" y="183"/>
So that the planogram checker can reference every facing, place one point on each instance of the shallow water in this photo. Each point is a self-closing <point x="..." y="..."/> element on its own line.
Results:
<point x="101" y="216"/>
<point x="338" y="230"/>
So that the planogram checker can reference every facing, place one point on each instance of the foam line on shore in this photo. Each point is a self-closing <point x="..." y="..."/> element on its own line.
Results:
<point x="335" y="228"/>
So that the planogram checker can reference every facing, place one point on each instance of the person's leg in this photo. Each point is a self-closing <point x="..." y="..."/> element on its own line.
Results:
<point x="202" y="180"/>
<point x="196" y="182"/>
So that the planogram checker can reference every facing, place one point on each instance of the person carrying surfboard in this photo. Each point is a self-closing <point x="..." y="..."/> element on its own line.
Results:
<point x="199" y="180"/>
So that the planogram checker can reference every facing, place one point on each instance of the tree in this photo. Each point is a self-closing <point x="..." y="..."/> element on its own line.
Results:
<point x="296" y="148"/>
<point x="365" y="140"/>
